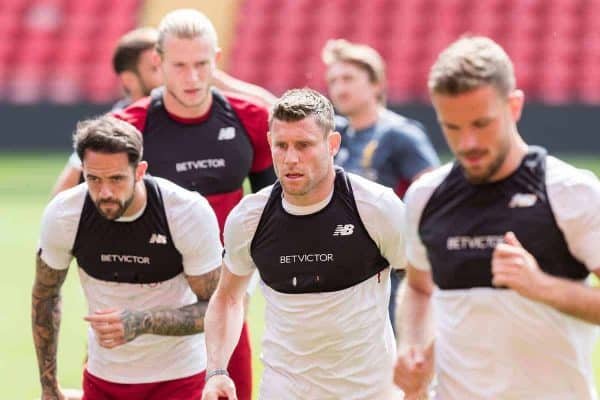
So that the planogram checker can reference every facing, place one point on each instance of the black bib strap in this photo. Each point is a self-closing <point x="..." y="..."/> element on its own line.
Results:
<point x="140" y="251"/>
<point x="326" y="251"/>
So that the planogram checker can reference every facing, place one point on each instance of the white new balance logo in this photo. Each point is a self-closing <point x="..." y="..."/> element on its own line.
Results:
<point x="521" y="200"/>
<point x="157" y="238"/>
<point x="226" y="133"/>
<point x="343" y="230"/>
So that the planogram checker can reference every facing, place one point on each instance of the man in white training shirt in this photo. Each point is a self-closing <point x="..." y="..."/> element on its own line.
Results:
<point x="148" y="253"/>
<point x="323" y="242"/>
<point x="500" y="244"/>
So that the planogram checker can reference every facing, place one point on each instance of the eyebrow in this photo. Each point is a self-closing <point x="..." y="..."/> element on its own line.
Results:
<point x="108" y="177"/>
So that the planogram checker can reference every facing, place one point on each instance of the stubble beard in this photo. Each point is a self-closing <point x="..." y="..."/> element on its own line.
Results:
<point x="492" y="169"/>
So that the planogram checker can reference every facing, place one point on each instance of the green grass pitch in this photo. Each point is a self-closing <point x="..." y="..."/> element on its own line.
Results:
<point x="25" y="183"/>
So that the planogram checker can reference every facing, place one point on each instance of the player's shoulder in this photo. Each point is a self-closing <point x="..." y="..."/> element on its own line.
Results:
<point x="401" y="127"/>
<point x="67" y="205"/>
<point x="136" y="113"/>
<point x="568" y="183"/>
<point x="561" y="173"/>
<point x="424" y="186"/>
<point x="373" y="195"/>
<point x="246" y="107"/>
<point x="245" y="216"/>
<point x="363" y="187"/>
<point x="254" y="202"/>
<point x="175" y="195"/>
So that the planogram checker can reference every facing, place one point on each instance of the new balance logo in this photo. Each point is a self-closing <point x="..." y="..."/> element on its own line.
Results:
<point x="343" y="230"/>
<point x="226" y="133"/>
<point x="157" y="238"/>
<point x="521" y="200"/>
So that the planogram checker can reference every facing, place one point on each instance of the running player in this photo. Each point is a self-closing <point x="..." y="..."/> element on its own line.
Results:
<point x="324" y="242"/>
<point x="508" y="235"/>
<point x="377" y="143"/>
<point x="148" y="253"/>
<point x="201" y="139"/>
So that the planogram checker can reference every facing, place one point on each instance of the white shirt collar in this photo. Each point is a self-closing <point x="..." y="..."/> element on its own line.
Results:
<point x="305" y="210"/>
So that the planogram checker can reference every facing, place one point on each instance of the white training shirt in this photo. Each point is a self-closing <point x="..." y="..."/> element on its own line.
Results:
<point x="148" y="358"/>
<point x="488" y="340"/>
<point x="332" y="345"/>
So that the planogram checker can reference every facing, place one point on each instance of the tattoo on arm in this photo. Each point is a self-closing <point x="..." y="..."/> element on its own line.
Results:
<point x="45" y="319"/>
<point x="187" y="320"/>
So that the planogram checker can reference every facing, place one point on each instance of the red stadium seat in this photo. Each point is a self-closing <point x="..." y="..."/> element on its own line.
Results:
<point x="25" y="84"/>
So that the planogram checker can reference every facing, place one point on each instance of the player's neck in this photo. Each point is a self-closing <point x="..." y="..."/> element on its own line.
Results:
<point x="518" y="151"/>
<point x="139" y="200"/>
<point x="174" y="107"/>
<point x="365" y="117"/>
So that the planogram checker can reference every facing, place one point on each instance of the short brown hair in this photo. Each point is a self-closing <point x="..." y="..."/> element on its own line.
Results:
<point x="186" y="23"/>
<point x="469" y="63"/>
<point x="298" y="104"/>
<point x="107" y="134"/>
<point x="363" y="56"/>
<point x="131" y="46"/>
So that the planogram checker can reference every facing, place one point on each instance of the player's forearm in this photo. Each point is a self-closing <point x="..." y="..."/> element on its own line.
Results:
<point x="414" y="317"/>
<point x="45" y="321"/>
<point x="183" y="321"/>
<point x="570" y="297"/>
<point x="224" y="320"/>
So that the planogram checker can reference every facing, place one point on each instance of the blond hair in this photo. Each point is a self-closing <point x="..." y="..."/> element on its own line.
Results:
<point x="469" y="63"/>
<point x="361" y="55"/>
<point x="299" y="104"/>
<point x="186" y="23"/>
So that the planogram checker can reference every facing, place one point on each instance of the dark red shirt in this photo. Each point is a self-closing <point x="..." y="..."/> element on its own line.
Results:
<point x="211" y="154"/>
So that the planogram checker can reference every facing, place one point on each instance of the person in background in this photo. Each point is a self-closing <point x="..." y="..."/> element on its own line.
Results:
<point x="377" y="143"/>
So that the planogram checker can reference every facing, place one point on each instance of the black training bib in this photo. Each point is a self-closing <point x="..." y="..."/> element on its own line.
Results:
<point x="140" y="251"/>
<point x="326" y="251"/>
<point x="462" y="223"/>
<point x="210" y="157"/>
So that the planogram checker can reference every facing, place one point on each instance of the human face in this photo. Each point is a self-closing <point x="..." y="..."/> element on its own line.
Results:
<point x="111" y="182"/>
<point x="350" y="89"/>
<point x="480" y="128"/>
<point x="148" y="72"/>
<point x="187" y="69"/>
<point x="303" y="159"/>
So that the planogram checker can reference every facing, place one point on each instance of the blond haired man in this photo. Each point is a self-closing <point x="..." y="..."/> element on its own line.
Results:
<point x="377" y="143"/>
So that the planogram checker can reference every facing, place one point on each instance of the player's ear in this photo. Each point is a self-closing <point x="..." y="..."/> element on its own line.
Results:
<point x="158" y="59"/>
<point x="269" y="140"/>
<point x="334" y="140"/>
<point x="516" y="99"/>
<point x="218" y="54"/>
<point x="140" y="170"/>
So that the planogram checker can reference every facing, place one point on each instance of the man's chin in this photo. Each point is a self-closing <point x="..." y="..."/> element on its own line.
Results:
<point x="110" y="215"/>
<point x="293" y="190"/>
<point x="477" y="177"/>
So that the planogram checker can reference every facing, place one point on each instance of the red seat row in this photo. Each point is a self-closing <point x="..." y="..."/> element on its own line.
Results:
<point x="554" y="44"/>
<point x="62" y="49"/>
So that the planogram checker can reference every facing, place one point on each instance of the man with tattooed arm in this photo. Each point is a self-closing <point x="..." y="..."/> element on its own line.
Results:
<point x="148" y="253"/>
